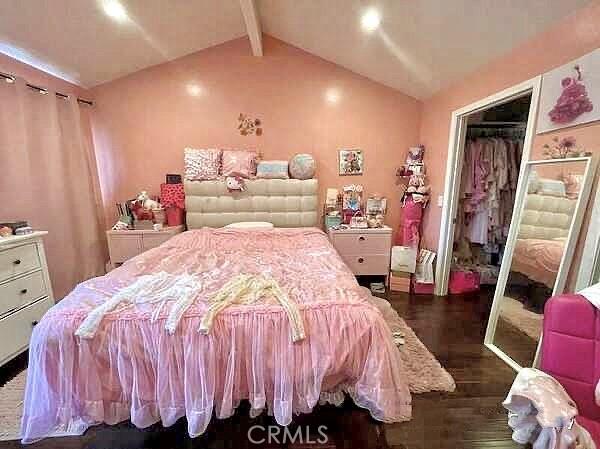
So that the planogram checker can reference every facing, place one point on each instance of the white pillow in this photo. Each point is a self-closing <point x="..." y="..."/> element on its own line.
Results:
<point x="250" y="225"/>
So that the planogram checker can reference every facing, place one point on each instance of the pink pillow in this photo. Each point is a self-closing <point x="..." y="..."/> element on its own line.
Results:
<point x="202" y="164"/>
<point x="239" y="163"/>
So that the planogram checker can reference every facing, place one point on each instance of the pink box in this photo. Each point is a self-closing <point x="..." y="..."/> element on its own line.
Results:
<point x="422" y="289"/>
<point x="463" y="282"/>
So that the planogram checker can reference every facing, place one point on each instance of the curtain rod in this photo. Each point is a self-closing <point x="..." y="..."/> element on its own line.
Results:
<point x="43" y="90"/>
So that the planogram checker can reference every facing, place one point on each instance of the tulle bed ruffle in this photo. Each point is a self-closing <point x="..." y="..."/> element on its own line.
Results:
<point x="133" y="369"/>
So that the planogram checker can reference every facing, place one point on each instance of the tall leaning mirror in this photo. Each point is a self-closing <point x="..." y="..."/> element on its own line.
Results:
<point x="541" y="241"/>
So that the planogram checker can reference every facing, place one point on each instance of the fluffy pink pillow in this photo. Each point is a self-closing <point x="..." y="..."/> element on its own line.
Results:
<point x="202" y="164"/>
<point x="239" y="163"/>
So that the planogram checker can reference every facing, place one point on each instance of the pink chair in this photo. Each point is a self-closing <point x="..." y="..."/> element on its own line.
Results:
<point x="571" y="353"/>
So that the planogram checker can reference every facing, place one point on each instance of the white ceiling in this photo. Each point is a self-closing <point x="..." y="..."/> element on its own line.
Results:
<point x="421" y="47"/>
<point x="87" y="47"/>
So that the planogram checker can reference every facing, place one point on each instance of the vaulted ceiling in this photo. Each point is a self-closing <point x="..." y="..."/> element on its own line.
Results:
<point x="420" y="47"/>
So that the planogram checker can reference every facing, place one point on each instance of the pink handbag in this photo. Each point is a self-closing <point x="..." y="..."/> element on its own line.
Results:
<point x="463" y="281"/>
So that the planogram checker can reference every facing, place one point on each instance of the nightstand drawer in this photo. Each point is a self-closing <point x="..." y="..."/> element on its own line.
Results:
<point x="367" y="243"/>
<point x="22" y="291"/>
<point x="150" y="241"/>
<point x="124" y="247"/>
<point x="18" y="260"/>
<point x="368" y="264"/>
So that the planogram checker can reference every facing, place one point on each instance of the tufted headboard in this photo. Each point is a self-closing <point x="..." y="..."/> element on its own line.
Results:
<point x="546" y="217"/>
<point x="286" y="203"/>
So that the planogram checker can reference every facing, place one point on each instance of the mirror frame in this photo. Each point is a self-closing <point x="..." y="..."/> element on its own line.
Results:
<point x="567" y="257"/>
<point x="590" y="259"/>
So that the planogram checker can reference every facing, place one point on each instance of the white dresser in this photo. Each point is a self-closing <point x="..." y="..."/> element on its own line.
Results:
<point x="25" y="291"/>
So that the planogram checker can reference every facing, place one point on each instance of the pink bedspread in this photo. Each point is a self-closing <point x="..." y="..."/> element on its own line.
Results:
<point x="133" y="369"/>
<point x="538" y="259"/>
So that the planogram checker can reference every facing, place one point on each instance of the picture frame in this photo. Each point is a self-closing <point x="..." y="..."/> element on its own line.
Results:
<point x="570" y="94"/>
<point x="350" y="162"/>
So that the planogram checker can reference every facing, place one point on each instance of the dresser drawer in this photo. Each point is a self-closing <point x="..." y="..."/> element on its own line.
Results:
<point x="18" y="260"/>
<point x="22" y="291"/>
<point x="368" y="264"/>
<point x="16" y="328"/>
<point x="363" y="243"/>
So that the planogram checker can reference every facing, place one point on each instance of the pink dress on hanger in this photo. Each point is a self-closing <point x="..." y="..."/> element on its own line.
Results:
<point x="412" y="215"/>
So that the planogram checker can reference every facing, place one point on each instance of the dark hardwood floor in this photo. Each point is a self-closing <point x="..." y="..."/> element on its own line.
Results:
<point x="471" y="417"/>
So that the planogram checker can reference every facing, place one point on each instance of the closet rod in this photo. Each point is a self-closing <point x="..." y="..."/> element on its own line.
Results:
<point x="11" y="79"/>
<point x="496" y="125"/>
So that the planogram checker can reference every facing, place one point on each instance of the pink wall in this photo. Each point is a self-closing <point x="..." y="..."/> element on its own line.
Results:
<point x="142" y="122"/>
<point x="572" y="37"/>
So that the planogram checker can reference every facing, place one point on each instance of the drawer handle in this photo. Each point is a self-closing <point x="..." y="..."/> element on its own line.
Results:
<point x="361" y="238"/>
<point x="34" y="323"/>
<point x="23" y="291"/>
<point x="17" y="262"/>
<point x="361" y="260"/>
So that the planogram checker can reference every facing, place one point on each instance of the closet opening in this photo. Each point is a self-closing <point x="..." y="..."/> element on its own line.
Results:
<point x="489" y="141"/>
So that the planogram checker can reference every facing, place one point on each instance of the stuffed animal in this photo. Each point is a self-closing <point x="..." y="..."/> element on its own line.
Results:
<point x="144" y="200"/>
<point x="235" y="184"/>
<point x="415" y="155"/>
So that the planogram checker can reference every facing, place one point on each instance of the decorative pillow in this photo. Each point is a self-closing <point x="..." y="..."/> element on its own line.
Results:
<point x="302" y="166"/>
<point x="534" y="182"/>
<point x="272" y="170"/>
<point x="250" y="225"/>
<point x="239" y="163"/>
<point x="202" y="164"/>
<point x="552" y="187"/>
<point x="573" y="184"/>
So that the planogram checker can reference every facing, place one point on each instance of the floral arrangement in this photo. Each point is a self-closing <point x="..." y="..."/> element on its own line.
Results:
<point x="248" y="125"/>
<point x="563" y="148"/>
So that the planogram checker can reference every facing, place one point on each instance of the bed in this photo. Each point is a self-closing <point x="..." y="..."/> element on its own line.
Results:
<point x="540" y="245"/>
<point x="134" y="368"/>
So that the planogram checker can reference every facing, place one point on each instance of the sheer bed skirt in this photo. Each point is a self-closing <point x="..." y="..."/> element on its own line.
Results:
<point x="133" y="369"/>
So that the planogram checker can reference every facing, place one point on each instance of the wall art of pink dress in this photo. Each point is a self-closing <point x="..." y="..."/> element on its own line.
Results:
<point x="570" y="94"/>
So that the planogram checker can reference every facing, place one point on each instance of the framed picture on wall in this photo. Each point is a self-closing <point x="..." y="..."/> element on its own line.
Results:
<point x="570" y="94"/>
<point x="351" y="162"/>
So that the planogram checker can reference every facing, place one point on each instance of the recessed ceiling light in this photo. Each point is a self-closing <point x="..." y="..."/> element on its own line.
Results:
<point x="370" y="20"/>
<point x="115" y="10"/>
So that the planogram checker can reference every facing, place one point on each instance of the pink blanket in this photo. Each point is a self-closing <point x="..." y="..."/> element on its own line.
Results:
<point x="538" y="259"/>
<point x="133" y="369"/>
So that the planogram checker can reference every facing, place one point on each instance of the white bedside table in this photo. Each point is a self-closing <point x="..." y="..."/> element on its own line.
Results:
<point x="123" y="245"/>
<point x="365" y="251"/>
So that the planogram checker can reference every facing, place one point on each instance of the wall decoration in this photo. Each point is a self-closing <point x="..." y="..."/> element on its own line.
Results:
<point x="563" y="148"/>
<point x="570" y="94"/>
<point x="248" y="126"/>
<point x="351" y="162"/>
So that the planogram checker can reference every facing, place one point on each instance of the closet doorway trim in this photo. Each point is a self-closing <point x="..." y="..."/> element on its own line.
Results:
<point x="456" y="143"/>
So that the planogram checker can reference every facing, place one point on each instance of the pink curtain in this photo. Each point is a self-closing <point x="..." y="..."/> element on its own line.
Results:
<point x="49" y="178"/>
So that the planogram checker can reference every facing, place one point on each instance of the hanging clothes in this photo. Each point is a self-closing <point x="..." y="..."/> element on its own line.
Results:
<point x="486" y="199"/>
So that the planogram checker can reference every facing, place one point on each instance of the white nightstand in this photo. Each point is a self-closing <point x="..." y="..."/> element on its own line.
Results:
<point x="365" y="251"/>
<point x="123" y="245"/>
